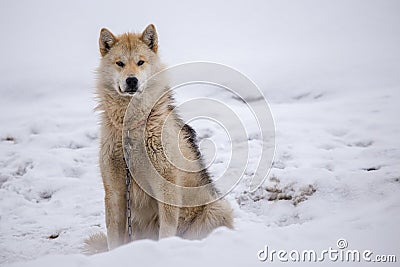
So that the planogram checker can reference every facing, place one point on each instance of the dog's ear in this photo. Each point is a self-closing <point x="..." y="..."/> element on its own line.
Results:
<point x="106" y="41"/>
<point x="149" y="37"/>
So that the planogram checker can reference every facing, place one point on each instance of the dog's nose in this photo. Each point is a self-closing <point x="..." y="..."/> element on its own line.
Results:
<point x="131" y="84"/>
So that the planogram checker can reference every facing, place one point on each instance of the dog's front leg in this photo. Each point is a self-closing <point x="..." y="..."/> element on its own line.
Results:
<point x="115" y="218"/>
<point x="168" y="217"/>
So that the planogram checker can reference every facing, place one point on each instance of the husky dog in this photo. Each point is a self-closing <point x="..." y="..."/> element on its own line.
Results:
<point x="127" y="62"/>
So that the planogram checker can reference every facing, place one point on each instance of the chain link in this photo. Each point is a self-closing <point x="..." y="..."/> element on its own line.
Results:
<point x="128" y="199"/>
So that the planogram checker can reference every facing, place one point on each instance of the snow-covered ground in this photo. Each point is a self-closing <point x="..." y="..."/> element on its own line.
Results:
<point x="329" y="69"/>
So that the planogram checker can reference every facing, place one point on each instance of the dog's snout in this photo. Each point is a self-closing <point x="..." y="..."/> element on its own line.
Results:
<point x="131" y="84"/>
<point x="131" y="81"/>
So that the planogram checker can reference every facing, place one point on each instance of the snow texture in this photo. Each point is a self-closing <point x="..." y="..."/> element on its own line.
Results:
<point x="330" y="71"/>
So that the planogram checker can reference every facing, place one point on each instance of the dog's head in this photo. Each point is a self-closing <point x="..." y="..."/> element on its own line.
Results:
<point x="128" y="60"/>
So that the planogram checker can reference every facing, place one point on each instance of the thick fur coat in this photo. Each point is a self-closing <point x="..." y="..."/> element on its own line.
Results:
<point x="157" y="136"/>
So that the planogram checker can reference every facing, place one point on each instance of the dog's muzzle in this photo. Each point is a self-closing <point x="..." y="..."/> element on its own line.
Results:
<point x="131" y="85"/>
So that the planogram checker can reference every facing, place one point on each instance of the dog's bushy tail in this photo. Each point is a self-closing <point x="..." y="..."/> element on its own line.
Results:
<point x="95" y="243"/>
<point x="214" y="215"/>
<point x="218" y="213"/>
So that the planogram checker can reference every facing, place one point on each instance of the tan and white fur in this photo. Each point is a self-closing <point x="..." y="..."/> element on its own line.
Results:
<point x="127" y="62"/>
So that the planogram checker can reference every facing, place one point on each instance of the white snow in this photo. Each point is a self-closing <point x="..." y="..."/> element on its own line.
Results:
<point x="329" y="70"/>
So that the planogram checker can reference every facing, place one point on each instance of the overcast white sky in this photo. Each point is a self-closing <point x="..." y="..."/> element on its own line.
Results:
<point x="277" y="43"/>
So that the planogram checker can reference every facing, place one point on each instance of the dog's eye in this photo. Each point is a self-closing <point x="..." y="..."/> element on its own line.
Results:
<point x="120" y="63"/>
<point x="140" y="63"/>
